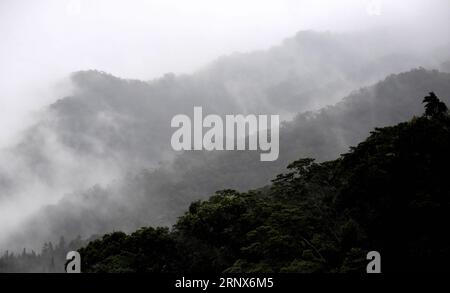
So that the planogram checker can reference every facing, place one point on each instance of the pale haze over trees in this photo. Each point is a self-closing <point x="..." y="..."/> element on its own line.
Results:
<point x="90" y="87"/>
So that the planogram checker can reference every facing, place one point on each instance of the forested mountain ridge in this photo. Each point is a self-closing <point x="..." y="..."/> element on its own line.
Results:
<point x="158" y="197"/>
<point x="125" y="124"/>
<point x="389" y="194"/>
<point x="100" y="159"/>
<point x="106" y="127"/>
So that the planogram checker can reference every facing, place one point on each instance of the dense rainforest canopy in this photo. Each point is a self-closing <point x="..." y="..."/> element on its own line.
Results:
<point x="390" y="194"/>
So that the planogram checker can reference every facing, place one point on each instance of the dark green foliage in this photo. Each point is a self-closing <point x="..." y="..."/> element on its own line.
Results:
<point x="146" y="250"/>
<point x="434" y="107"/>
<point x="390" y="194"/>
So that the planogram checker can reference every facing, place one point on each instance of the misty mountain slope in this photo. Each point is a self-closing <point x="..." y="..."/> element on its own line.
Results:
<point x="157" y="197"/>
<point x="108" y="124"/>
<point x="389" y="194"/>
<point x="127" y="122"/>
<point x="108" y="127"/>
<point x="121" y="124"/>
<point x="387" y="102"/>
<point x="445" y="66"/>
<point x="312" y="70"/>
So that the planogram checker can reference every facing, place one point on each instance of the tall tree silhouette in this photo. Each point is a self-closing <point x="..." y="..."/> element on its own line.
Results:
<point x="434" y="107"/>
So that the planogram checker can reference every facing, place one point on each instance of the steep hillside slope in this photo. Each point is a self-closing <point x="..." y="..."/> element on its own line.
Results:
<point x="158" y="197"/>
<point x="388" y="194"/>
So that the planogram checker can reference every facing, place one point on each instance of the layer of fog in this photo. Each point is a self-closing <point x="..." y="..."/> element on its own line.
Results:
<point x="107" y="128"/>
<point x="44" y="41"/>
<point x="159" y="196"/>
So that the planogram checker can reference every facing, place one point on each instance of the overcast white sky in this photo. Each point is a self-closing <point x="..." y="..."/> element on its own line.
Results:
<point x="42" y="41"/>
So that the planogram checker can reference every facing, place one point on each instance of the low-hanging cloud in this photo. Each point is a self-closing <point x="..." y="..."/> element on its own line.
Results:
<point x="100" y="128"/>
